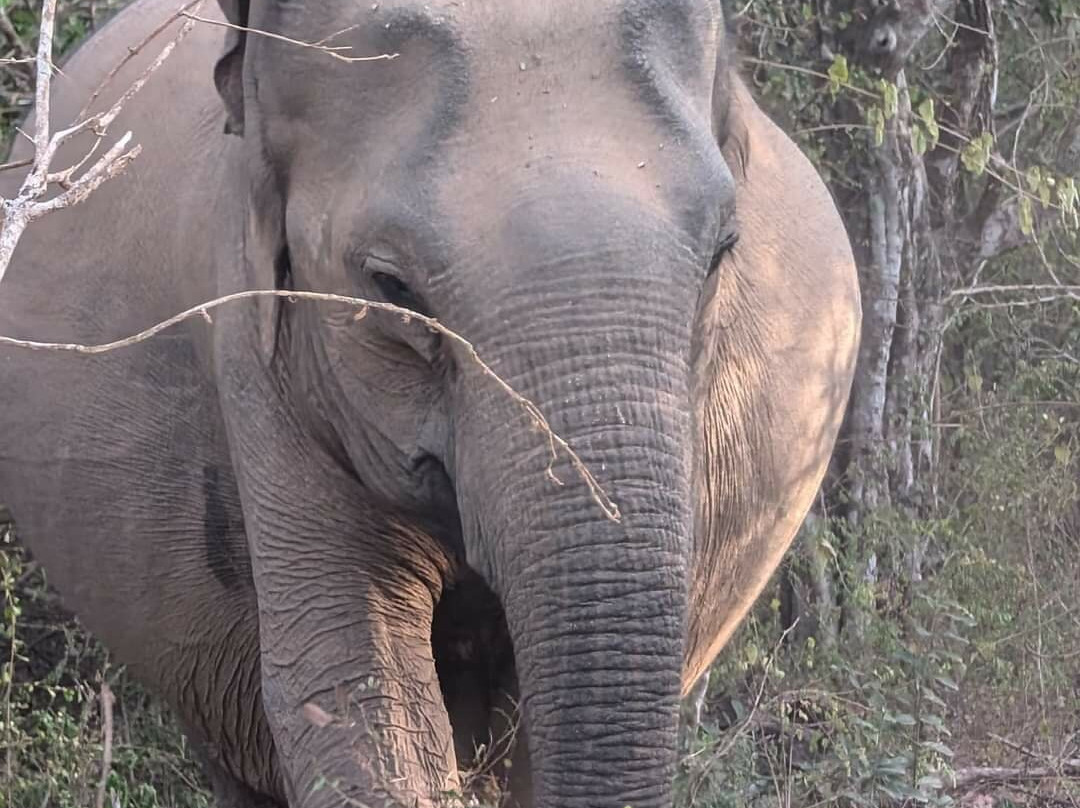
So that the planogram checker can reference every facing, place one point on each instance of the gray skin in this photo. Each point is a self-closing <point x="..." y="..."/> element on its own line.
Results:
<point x="285" y="506"/>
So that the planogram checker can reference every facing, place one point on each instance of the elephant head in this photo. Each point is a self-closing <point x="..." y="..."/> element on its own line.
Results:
<point x="547" y="180"/>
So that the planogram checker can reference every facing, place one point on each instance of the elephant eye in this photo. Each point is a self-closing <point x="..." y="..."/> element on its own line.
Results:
<point x="395" y="291"/>
<point x="725" y="246"/>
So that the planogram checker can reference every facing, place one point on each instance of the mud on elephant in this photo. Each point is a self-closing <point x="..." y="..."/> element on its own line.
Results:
<point x="333" y="544"/>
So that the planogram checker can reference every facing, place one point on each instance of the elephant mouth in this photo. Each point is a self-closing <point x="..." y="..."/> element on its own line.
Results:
<point x="436" y="489"/>
<point x="475" y="663"/>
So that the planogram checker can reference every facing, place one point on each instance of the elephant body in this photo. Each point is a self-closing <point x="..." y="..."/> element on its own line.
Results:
<point x="340" y="552"/>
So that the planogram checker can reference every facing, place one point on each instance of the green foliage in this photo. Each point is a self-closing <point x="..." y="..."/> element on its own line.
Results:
<point x="74" y="20"/>
<point x="925" y="131"/>
<point x="51" y="718"/>
<point x="976" y="154"/>
<point x="830" y="726"/>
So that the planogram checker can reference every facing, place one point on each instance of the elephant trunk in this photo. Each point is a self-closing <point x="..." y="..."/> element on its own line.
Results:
<point x="595" y="607"/>
<point x="596" y="613"/>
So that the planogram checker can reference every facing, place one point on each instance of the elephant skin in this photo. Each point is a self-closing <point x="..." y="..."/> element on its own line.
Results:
<point x="335" y="546"/>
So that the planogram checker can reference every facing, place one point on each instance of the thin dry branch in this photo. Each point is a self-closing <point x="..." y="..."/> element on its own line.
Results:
<point x="44" y="79"/>
<point x="16" y="164"/>
<point x="539" y="422"/>
<point x="1022" y="293"/>
<point x="336" y="51"/>
<point x="982" y="775"/>
<point x="132" y="52"/>
<point x="32" y="203"/>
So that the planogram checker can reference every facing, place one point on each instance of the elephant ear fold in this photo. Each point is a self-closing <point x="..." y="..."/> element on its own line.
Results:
<point x="267" y="263"/>
<point x="733" y="133"/>
<point x="229" y="70"/>
<point x="729" y="104"/>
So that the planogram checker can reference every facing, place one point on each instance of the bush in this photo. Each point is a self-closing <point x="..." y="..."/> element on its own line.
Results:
<point x="53" y="679"/>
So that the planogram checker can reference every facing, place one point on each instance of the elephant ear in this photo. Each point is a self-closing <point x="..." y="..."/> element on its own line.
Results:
<point x="267" y="263"/>
<point x="729" y="113"/>
<point x="229" y="70"/>
<point x="265" y="250"/>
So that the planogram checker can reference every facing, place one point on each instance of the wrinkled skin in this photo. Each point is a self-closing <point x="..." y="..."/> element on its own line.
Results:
<point x="283" y="515"/>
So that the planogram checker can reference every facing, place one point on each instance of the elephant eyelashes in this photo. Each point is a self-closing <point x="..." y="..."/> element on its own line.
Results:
<point x="395" y="291"/>
<point x="726" y="246"/>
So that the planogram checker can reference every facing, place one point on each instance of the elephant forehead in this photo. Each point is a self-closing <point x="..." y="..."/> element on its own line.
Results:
<point x="490" y="102"/>
<point x="488" y="51"/>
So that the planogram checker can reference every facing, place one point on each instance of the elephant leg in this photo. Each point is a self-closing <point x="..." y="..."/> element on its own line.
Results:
<point x="228" y="791"/>
<point x="348" y="676"/>
<point x="346" y="593"/>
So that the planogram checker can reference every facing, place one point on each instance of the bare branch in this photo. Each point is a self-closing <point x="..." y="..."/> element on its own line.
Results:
<point x="44" y="81"/>
<point x="30" y="203"/>
<point x="1044" y="292"/>
<point x="980" y="775"/>
<point x="537" y="419"/>
<point x="132" y="52"/>
<point x="16" y="164"/>
<point x="337" y="52"/>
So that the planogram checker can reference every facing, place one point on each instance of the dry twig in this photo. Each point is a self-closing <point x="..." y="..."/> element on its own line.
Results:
<point x="32" y="202"/>
<point x="539" y="422"/>
<point x="132" y="52"/>
<point x="1021" y="294"/>
<point x="336" y="51"/>
<point x="981" y="775"/>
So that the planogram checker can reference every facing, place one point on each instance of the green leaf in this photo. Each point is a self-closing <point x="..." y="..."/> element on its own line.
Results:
<point x="838" y="73"/>
<point x="930" y="782"/>
<point x="893" y="765"/>
<point x="946" y="681"/>
<point x="898" y="793"/>
<point x="1062" y="454"/>
<point x="1068" y="198"/>
<point x="1041" y="183"/>
<point x="976" y="154"/>
<point x="928" y="117"/>
<point x="940" y="748"/>
<point x="890" y="96"/>
<point x="1046" y="191"/>
<point x="937" y="723"/>
<point x="1034" y="178"/>
<point x="875" y="118"/>
<point x="919" y="143"/>
<point x="933" y="698"/>
<point x="974" y="380"/>
<point x="1027" y="215"/>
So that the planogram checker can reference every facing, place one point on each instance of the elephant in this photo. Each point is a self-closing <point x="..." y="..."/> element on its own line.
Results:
<point x="349" y="547"/>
